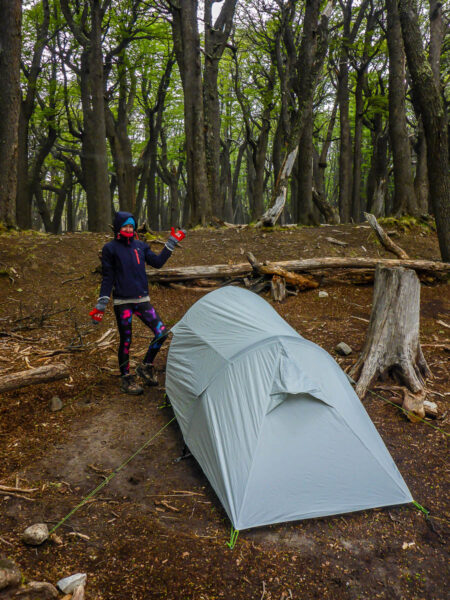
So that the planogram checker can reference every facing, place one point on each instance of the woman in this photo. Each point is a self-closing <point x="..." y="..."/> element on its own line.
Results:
<point x="123" y="270"/>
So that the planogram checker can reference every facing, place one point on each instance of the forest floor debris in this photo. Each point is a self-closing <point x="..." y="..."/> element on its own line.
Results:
<point x="136" y="552"/>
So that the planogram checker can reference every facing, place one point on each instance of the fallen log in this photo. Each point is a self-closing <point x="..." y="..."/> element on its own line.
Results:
<point x="333" y="240"/>
<point x="384" y="238"/>
<point x="299" y="281"/>
<point x="196" y="289"/>
<point x="308" y="264"/>
<point x="48" y="373"/>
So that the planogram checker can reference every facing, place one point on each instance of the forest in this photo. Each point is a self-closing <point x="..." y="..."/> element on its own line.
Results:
<point x="185" y="112"/>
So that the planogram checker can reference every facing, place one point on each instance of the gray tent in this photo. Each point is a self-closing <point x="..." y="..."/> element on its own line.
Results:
<point x="271" y="418"/>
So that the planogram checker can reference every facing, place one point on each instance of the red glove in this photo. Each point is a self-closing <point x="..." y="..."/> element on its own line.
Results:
<point x="178" y="235"/>
<point x="96" y="315"/>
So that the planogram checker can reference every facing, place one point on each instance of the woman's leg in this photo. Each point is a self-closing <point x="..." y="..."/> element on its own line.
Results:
<point x="148" y="315"/>
<point x="124" y="316"/>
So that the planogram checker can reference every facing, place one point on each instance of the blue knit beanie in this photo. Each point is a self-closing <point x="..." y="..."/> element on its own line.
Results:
<point x="129" y="221"/>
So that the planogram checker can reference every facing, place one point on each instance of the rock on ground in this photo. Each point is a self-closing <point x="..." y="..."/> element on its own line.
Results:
<point x="343" y="349"/>
<point x="9" y="573"/>
<point x="69" y="584"/>
<point x="35" y="534"/>
<point x="37" y="590"/>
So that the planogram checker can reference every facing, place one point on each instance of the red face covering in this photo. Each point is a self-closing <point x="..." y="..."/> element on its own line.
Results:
<point x="127" y="234"/>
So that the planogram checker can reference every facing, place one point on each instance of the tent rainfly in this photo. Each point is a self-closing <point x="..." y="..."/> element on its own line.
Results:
<point x="271" y="418"/>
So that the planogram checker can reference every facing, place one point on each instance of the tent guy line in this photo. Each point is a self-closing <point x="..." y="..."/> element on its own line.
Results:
<point x="108" y="479"/>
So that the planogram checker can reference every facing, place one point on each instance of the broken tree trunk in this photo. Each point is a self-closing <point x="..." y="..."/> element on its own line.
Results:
<point x="32" y="376"/>
<point x="307" y="264"/>
<point x="331" y="216"/>
<point x="278" y="288"/>
<point x="270" y="217"/>
<point x="384" y="238"/>
<point x="392" y="344"/>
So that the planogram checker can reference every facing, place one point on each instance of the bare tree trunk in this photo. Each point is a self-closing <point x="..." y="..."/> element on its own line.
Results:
<point x="10" y="41"/>
<point x="404" y="194"/>
<point x="234" y="186"/>
<point x="434" y="120"/>
<point x="311" y="55"/>
<point x="343" y="96"/>
<point x="377" y="177"/>
<point x="392" y="344"/>
<point x="24" y="190"/>
<point x="216" y="37"/>
<point x="119" y="140"/>
<point x="357" y="145"/>
<point x="94" y="160"/>
<point x="436" y="38"/>
<point x="187" y="50"/>
<point x="421" y="186"/>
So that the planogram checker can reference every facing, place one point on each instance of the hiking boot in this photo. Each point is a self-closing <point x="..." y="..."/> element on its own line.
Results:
<point x="130" y="386"/>
<point x="147" y="374"/>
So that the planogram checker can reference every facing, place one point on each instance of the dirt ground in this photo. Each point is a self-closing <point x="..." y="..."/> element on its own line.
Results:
<point x="157" y="530"/>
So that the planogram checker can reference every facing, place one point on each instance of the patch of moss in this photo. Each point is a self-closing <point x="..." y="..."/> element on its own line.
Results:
<point x="408" y="222"/>
<point x="150" y="237"/>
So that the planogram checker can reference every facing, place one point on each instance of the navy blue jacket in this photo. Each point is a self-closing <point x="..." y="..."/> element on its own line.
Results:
<point x="123" y="264"/>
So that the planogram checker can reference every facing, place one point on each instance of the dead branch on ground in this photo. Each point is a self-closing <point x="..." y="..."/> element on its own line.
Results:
<point x="45" y="374"/>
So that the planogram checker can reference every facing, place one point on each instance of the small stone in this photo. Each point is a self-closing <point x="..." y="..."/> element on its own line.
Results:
<point x="9" y="573"/>
<point x="56" y="539"/>
<point x="35" y="534"/>
<point x="323" y="294"/>
<point x="55" y="404"/>
<point x="343" y="349"/>
<point x="37" y="590"/>
<point x="69" y="584"/>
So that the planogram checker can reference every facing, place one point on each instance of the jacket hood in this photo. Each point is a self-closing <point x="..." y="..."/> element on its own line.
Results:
<point x="120" y="219"/>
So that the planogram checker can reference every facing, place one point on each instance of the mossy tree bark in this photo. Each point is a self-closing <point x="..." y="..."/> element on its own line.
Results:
<point x="10" y="40"/>
<point x="392" y="344"/>
<point x="434" y="118"/>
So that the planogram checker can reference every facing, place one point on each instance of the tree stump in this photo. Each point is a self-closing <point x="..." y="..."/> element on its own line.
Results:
<point x="392" y="344"/>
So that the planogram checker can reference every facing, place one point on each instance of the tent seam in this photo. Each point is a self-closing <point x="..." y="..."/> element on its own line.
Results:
<point x="244" y="497"/>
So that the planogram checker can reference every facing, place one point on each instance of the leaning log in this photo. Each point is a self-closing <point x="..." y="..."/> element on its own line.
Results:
<point x="45" y="374"/>
<point x="392" y="345"/>
<point x="307" y="264"/>
<point x="383" y="237"/>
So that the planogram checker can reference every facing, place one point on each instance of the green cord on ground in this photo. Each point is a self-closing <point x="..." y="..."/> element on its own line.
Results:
<point x="406" y="412"/>
<point x="108" y="479"/>
<point x="233" y="538"/>
<point x="421" y="508"/>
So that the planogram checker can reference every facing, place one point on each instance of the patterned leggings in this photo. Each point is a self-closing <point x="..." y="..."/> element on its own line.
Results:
<point x="148" y="315"/>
